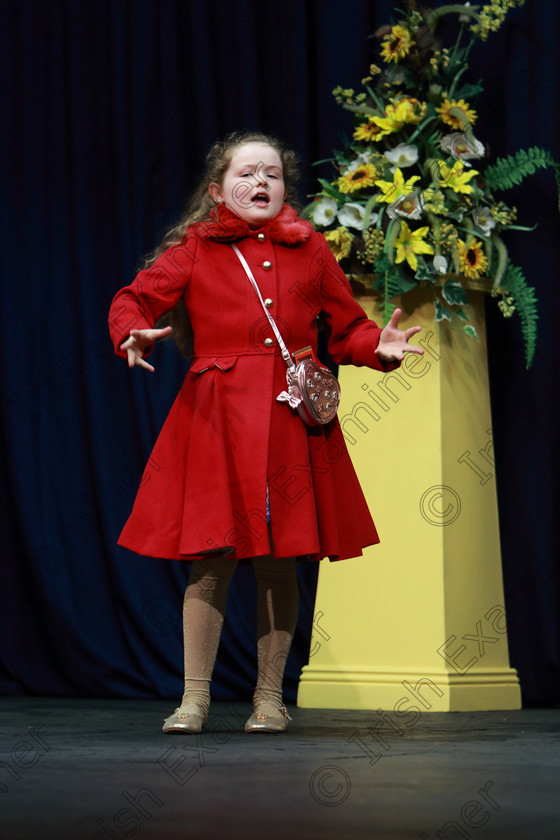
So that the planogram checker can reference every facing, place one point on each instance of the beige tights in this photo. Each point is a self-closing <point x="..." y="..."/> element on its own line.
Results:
<point x="204" y="608"/>
<point x="277" y="611"/>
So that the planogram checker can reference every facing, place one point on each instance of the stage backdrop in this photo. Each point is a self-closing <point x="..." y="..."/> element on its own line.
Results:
<point x="108" y="110"/>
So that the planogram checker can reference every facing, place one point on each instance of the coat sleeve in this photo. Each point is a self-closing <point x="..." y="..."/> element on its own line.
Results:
<point x="153" y="292"/>
<point x="353" y="337"/>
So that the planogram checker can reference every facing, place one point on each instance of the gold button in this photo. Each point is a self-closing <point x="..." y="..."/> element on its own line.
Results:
<point x="261" y="237"/>
<point x="267" y="265"/>
<point x="268" y="342"/>
<point x="268" y="302"/>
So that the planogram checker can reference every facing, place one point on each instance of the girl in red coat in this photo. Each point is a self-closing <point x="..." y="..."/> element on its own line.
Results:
<point x="236" y="476"/>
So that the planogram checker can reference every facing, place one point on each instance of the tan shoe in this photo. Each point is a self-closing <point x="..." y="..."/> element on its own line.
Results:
<point x="189" y="718"/>
<point x="268" y="718"/>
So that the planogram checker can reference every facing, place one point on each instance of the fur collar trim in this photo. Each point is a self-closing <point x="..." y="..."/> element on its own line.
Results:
<point x="226" y="226"/>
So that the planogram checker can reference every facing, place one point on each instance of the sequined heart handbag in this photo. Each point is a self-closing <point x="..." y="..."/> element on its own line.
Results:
<point x="313" y="391"/>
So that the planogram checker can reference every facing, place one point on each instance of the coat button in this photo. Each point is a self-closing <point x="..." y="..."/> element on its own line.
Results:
<point x="268" y="302"/>
<point x="267" y="265"/>
<point x="261" y="237"/>
<point x="268" y="342"/>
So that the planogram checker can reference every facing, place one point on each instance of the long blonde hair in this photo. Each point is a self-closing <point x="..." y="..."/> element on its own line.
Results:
<point x="199" y="207"/>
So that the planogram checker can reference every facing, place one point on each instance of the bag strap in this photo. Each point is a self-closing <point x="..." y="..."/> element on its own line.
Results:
<point x="284" y="350"/>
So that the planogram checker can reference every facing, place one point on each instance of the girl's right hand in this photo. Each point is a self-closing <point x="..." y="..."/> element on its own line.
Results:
<point x="138" y="341"/>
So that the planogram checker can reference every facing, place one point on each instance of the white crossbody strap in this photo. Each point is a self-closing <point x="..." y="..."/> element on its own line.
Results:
<point x="285" y="352"/>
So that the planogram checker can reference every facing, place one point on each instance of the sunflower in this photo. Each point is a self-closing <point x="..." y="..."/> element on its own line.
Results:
<point x="396" y="44"/>
<point x="356" y="179"/>
<point x="463" y="113"/>
<point x="367" y="131"/>
<point x="409" y="243"/>
<point x="472" y="260"/>
<point x="340" y="241"/>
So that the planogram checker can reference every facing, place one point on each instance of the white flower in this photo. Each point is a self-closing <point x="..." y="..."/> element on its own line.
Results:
<point x="406" y="207"/>
<point x="483" y="219"/>
<point x="363" y="157"/>
<point x="462" y="146"/>
<point x="402" y="156"/>
<point x="324" y="212"/>
<point x="356" y="162"/>
<point x="352" y="215"/>
<point x="440" y="264"/>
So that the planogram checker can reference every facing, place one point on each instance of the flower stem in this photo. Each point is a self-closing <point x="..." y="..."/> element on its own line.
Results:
<point x="452" y="8"/>
<point x="420" y="128"/>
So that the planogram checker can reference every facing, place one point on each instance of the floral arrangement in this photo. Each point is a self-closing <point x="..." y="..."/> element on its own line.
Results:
<point x="414" y="201"/>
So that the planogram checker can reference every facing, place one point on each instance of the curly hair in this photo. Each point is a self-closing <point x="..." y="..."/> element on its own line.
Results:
<point x="200" y="204"/>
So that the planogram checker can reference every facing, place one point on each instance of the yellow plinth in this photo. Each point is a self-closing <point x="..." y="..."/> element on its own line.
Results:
<point x="418" y="622"/>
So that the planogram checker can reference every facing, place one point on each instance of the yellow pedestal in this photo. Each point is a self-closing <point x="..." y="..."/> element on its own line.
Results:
<point x="418" y="622"/>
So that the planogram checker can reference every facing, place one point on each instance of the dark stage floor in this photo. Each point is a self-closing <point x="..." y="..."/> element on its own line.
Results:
<point x="84" y="769"/>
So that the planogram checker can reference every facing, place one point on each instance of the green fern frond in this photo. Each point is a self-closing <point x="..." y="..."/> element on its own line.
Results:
<point x="509" y="171"/>
<point x="525" y="302"/>
<point x="391" y="288"/>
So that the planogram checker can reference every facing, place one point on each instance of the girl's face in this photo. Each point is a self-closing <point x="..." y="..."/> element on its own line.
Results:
<point x="253" y="185"/>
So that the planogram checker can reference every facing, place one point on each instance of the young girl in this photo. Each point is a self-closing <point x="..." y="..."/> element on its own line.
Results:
<point x="236" y="476"/>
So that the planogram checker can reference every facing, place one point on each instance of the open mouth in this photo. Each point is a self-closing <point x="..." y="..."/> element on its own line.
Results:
<point x="261" y="199"/>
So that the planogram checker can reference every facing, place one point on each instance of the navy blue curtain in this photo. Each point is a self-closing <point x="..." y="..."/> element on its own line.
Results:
<point x="108" y="110"/>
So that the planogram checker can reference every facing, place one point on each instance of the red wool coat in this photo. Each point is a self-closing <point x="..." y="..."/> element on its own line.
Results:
<point x="226" y="437"/>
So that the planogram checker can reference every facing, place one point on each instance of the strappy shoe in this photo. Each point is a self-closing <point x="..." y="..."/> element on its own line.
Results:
<point x="267" y="717"/>
<point x="189" y="718"/>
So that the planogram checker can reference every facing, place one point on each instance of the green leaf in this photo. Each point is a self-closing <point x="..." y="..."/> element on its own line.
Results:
<point x="393" y="231"/>
<point x="330" y="189"/>
<point x="441" y="311"/>
<point x="368" y="209"/>
<point x="470" y="330"/>
<point x="525" y="301"/>
<point x="381" y="264"/>
<point x="468" y="92"/>
<point x="423" y="273"/>
<point x="453" y="293"/>
<point x="389" y="291"/>
<point x="405" y="282"/>
<point x="509" y="171"/>
<point x="460" y="314"/>
<point x="502" y="252"/>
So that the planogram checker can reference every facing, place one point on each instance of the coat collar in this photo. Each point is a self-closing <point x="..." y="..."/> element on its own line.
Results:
<point x="226" y="226"/>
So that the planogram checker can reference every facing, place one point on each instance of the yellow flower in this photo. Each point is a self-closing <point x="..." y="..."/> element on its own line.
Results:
<point x="455" y="179"/>
<point x="340" y="240"/>
<point x="367" y="131"/>
<point x="400" y="111"/>
<point x="387" y="124"/>
<point x="467" y="113"/>
<point x="392" y="190"/>
<point x="472" y="260"/>
<point x="434" y="201"/>
<point x="492" y="16"/>
<point x="396" y="44"/>
<point x="410" y="110"/>
<point x="356" y="179"/>
<point x="409" y="243"/>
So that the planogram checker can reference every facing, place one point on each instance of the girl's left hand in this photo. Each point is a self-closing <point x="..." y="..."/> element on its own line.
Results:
<point x="393" y="343"/>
